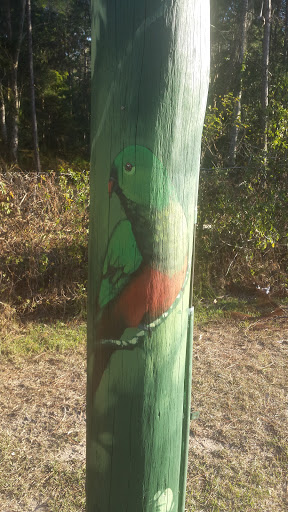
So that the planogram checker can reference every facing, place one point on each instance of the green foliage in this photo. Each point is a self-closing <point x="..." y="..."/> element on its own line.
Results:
<point x="74" y="185"/>
<point x="225" y="73"/>
<point x="278" y="129"/>
<point x="242" y="221"/>
<point x="56" y="85"/>
<point x="61" y="49"/>
<point x="242" y="226"/>
<point x="6" y="198"/>
<point x="218" y="123"/>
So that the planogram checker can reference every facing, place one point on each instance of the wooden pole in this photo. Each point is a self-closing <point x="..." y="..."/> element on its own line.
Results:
<point x="150" y="67"/>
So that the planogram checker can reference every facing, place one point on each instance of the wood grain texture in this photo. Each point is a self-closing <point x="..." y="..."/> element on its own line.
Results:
<point x="149" y="87"/>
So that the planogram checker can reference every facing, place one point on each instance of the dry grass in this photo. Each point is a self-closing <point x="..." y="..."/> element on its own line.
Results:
<point x="43" y="242"/>
<point x="238" y="447"/>
<point x="42" y="424"/>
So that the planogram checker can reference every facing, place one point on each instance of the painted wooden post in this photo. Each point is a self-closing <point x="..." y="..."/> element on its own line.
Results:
<point x="150" y="65"/>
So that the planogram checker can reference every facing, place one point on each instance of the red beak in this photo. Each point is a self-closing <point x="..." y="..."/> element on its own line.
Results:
<point x="111" y="183"/>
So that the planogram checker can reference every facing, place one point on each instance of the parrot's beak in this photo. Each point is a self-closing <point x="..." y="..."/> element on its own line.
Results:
<point x="112" y="183"/>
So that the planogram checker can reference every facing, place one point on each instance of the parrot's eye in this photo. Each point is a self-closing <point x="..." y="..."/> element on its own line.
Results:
<point x="129" y="168"/>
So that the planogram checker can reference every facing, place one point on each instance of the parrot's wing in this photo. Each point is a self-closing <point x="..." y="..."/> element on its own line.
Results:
<point x="122" y="259"/>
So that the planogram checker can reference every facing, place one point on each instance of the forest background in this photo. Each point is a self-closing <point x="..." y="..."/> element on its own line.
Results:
<point x="44" y="153"/>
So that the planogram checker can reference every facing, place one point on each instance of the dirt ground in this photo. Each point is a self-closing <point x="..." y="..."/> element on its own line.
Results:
<point x="238" y="457"/>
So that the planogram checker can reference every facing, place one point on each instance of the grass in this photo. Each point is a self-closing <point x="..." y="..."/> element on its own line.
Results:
<point x="48" y="484"/>
<point x="42" y="418"/>
<point x="238" y="459"/>
<point x="35" y="338"/>
<point x="218" y="308"/>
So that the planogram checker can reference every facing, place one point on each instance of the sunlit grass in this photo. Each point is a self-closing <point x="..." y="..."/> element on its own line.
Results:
<point x="35" y="337"/>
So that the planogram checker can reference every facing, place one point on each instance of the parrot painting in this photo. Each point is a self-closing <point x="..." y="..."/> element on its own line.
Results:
<point x="146" y="264"/>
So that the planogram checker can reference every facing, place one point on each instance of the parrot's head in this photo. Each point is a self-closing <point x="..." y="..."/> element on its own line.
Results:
<point x="140" y="176"/>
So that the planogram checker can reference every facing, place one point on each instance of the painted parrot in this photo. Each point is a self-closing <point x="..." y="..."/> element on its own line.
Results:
<point x="146" y="263"/>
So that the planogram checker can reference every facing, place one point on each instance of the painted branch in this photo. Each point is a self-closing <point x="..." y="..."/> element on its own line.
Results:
<point x="150" y="67"/>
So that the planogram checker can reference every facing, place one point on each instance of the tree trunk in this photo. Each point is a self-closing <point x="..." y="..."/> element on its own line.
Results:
<point x="3" y="116"/>
<point x="265" y="77"/>
<point x="14" y="142"/>
<point x="238" y="88"/>
<point x="150" y="73"/>
<point x="286" y="33"/>
<point x="32" y="90"/>
<point x="14" y="83"/>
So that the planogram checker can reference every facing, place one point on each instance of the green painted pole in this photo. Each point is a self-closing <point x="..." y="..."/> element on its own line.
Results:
<point x="150" y="67"/>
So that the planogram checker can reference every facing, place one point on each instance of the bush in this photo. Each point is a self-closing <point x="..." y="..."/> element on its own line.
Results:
<point x="44" y="233"/>
<point x="242" y="228"/>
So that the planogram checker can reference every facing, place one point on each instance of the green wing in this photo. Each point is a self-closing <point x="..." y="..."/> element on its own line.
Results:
<point x="122" y="259"/>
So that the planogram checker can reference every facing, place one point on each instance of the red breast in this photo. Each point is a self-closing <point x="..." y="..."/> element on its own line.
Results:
<point x="150" y="293"/>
